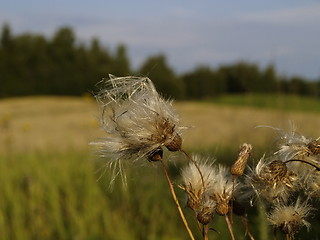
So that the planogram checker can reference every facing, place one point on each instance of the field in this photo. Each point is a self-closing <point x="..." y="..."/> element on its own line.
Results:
<point x="50" y="180"/>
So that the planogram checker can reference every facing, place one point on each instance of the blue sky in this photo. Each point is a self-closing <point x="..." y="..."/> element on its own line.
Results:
<point x="285" y="33"/>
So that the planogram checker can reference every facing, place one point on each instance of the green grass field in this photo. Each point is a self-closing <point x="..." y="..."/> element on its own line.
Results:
<point x="272" y="101"/>
<point x="50" y="181"/>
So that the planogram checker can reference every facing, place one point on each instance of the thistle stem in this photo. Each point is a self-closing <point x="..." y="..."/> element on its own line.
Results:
<point x="198" y="223"/>
<point x="274" y="233"/>
<point x="230" y="227"/>
<point x="246" y="225"/>
<point x="174" y="196"/>
<point x="303" y="161"/>
<point x="205" y="232"/>
<point x="232" y="198"/>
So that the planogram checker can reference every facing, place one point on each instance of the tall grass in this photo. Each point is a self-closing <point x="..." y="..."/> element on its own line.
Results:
<point x="55" y="193"/>
<point x="45" y="196"/>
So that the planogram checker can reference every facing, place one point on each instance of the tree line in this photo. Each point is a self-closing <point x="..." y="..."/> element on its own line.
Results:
<point x="32" y="64"/>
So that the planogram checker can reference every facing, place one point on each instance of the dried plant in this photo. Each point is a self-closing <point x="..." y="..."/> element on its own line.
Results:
<point x="290" y="218"/>
<point x="137" y="120"/>
<point x="195" y="185"/>
<point x="140" y="124"/>
<point x="272" y="180"/>
<point x="238" y="167"/>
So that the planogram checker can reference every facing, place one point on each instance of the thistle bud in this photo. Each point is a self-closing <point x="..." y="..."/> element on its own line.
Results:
<point x="175" y="143"/>
<point x="278" y="170"/>
<point x="205" y="216"/>
<point x="222" y="208"/>
<point x="314" y="147"/>
<point x="274" y="172"/>
<point x="239" y="165"/>
<point x="155" y="155"/>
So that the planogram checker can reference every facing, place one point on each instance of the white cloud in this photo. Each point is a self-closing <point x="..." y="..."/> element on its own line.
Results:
<point x="309" y="14"/>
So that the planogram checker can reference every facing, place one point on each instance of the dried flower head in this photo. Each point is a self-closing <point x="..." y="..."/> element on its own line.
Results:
<point x="221" y="189"/>
<point x="272" y="180"/>
<point x="206" y="210"/>
<point x="195" y="184"/>
<point x="137" y="120"/>
<point x="289" y="219"/>
<point x="293" y="145"/>
<point x="237" y="169"/>
<point x="312" y="185"/>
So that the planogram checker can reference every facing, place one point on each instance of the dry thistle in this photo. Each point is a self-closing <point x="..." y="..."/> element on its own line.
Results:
<point x="289" y="219"/>
<point x="137" y="120"/>
<point x="296" y="146"/>
<point x="221" y="189"/>
<point x="314" y="147"/>
<point x="312" y="185"/>
<point x="206" y="210"/>
<point x="237" y="169"/>
<point x="196" y="185"/>
<point x="272" y="180"/>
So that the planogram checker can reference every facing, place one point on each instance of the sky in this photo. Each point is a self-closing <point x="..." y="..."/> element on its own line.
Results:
<point x="285" y="33"/>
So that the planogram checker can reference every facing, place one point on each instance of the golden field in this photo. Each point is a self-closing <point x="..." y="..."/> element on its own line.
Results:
<point x="49" y="189"/>
<point x="57" y="124"/>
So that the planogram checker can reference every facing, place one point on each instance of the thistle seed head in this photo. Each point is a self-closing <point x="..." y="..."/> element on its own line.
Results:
<point x="222" y="207"/>
<point x="237" y="169"/>
<point x="196" y="185"/>
<point x="205" y="216"/>
<point x="296" y="146"/>
<point x="312" y="185"/>
<point x="221" y="189"/>
<point x="314" y="147"/>
<point x="175" y="144"/>
<point x="205" y="213"/>
<point x="272" y="180"/>
<point x="289" y="219"/>
<point x="274" y="172"/>
<point x="137" y="120"/>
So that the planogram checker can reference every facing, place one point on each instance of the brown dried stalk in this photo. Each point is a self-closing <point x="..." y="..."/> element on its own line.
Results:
<point x="174" y="196"/>
<point x="229" y="227"/>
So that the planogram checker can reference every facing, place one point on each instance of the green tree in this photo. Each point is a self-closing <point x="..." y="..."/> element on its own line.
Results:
<point x="121" y="62"/>
<point x="6" y="37"/>
<point x="63" y="59"/>
<point x="298" y="86"/>
<point x="203" y="83"/>
<point x="269" y="81"/>
<point x="6" y="61"/>
<point x="164" y="78"/>
<point x="241" y="77"/>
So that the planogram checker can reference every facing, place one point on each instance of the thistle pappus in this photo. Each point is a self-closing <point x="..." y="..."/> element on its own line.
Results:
<point x="137" y="120"/>
<point x="271" y="179"/>
<point x="290" y="218"/>
<point x="221" y="189"/>
<point x="196" y="181"/>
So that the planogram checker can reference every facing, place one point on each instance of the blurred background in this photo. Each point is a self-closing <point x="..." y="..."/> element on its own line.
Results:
<point x="230" y="67"/>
